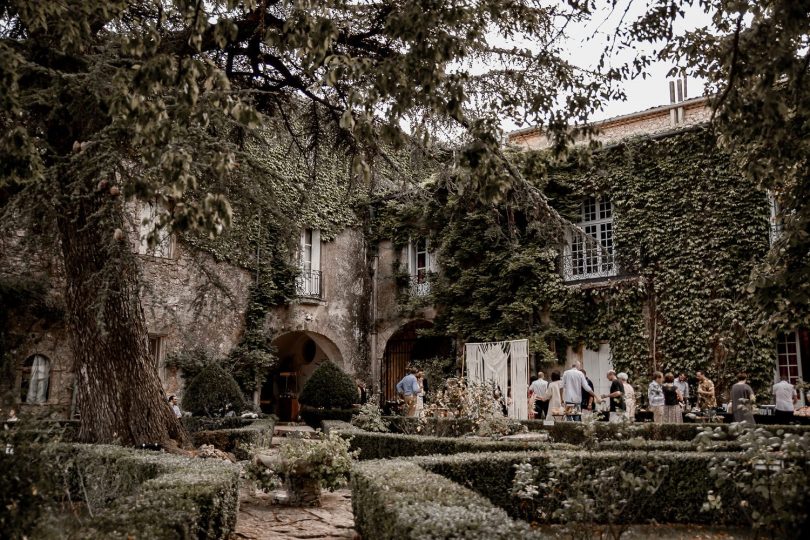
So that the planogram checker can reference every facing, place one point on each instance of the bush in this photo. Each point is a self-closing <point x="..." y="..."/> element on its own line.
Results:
<point x="129" y="494"/>
<point x="390" y="445"/>
<point x="369" y="418"/>
<point x="213" y="392"/>
<point x="329" y="387"/>
<point x="238" y="440"/>
<point x="314" y="417"/>
<point x="400" y="500"/>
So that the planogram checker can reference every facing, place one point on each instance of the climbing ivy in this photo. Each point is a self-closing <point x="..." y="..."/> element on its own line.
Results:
<point x="688" y="231"/>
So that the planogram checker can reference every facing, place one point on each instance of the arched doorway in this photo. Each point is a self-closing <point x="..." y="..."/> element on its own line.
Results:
<point x="406" y="347"/>
<point x="299" y="353"/>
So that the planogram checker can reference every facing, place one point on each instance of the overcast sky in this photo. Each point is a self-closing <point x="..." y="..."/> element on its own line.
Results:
<point x="584" y="50"/>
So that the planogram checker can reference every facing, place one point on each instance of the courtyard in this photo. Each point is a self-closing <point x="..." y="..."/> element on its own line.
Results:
<point x="411" y="269"/>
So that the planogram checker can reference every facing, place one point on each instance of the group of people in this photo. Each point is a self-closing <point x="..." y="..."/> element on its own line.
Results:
<point x="412" y="389"/>
<point x="573" y="394"/>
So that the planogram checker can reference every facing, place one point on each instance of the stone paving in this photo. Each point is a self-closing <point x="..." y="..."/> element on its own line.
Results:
<point x="260" y="519"/>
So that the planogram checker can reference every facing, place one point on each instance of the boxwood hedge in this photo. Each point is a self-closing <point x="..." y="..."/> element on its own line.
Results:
<point x="238" y="440"/>
<point x="398" y="500"/>
<point x="127" y="493"/>
<point x="394" y="445"/>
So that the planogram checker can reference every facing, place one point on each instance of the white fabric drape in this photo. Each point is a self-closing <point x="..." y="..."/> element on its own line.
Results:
<point x="38" y="384"/>
<point x="506" y="363"/>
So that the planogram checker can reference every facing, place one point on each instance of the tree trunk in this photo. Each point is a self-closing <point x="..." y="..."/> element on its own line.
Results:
<point x="120" y="397"/>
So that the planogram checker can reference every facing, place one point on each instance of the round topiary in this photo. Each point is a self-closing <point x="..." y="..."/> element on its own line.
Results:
<point x="213" y="392"/>
<point x="329" y="387"/>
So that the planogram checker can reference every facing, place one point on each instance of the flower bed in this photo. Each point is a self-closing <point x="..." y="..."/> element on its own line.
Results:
<point x="238" y="440"/>
<point x="124" y="493"/>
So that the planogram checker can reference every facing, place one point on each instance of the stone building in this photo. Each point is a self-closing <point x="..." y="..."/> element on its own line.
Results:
<point x="347" y="308"/>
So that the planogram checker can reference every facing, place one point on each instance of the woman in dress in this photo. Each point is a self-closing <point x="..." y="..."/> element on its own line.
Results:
<point x="672" y="400"/>
<point x="742" y="400"/>
<point x="655" y="397"/>
<point x="554" y="394"/>
<point x="420" y="396"/>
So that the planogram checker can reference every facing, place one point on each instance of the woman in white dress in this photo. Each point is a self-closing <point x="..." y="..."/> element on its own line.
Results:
<point x="554" y="394"/>
<point x="420" y="396"/>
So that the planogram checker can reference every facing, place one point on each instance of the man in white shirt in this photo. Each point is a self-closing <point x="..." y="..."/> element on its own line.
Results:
<point x="785" y="396"/>
<point x="574" y="383"/>
<point x="538" y="389"/>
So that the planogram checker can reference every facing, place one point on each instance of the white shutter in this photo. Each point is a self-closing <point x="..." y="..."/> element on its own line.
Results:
<point x="316" y="250"/>
<point x="431" y="258"/>
<point x="411" y="258"/>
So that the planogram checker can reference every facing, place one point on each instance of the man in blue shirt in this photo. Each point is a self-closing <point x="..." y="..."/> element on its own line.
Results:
<point x="408" y="388"/>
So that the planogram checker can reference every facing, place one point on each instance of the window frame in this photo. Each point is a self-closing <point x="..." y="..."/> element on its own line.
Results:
<point x="582" y="259"/>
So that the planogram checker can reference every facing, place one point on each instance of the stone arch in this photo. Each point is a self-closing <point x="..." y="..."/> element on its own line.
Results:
<point x="405" y="346"/>
<point x="300" y="352"/>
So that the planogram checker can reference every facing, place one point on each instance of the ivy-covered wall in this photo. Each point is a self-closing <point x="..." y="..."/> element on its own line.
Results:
<point x="687" y="231"/>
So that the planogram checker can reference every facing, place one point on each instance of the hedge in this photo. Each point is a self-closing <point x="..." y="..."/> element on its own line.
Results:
<point x="238" y="440"/>
<point x="314" y="416"/>
<point x="679" y="499"/>
<point x="129" y="494"/>
<point x="394" y="445"/>
<point x="397" y="500"/>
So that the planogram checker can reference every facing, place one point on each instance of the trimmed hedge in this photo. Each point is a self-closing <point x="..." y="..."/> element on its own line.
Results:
<point x="393" y="445"/>
<point x="130" y="493"/>
<point x="314" y="416"/>
<point x="679" y="499"/>
<point x="212" y="391"/>
<point x="238" y="440"/>
<point x="398" y="500"/>
<point x="207" y="423"/>
<point x="329" y="387"/>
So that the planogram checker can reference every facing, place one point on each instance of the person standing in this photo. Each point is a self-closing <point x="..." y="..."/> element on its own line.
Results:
<point x="616" y="395"/>
<point x="408" y="388"/>
<point x="554" y="394"/>
<point x="420" y="395"/>
<point x="682" y="384"/>
<point x="785" y="395"/>
<point x="742" y="400"/>
<point x="175" y="407"/>
<point x="574" y="383"/>
<point x="655" y="397"/>
<point x="706" y="397"/>
<point x="587" y="399"/>
<point x="672" y="401"/>
<point x="629" y="397"/>
<point x="538" y="393"/>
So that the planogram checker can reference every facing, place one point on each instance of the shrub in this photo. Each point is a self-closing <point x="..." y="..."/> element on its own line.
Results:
<point x="213" y="392"/>
<point x="400" y="500"/>
<point x="314" y="416"/>
<point x="369" y="418"/>
<point x="329" y="387"/>
<point x="240" y="441"/>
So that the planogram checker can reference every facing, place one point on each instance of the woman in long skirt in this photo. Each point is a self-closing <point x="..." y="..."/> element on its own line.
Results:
<point x="672" y="399"/>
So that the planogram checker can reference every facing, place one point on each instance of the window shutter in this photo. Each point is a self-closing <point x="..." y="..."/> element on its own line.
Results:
<point x="431" y="258"/>
<point x="316" y="250"/>
<point x="411" y="258"/>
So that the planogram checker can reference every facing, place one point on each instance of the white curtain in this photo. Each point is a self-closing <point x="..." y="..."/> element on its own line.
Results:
<point x="506" y="363"/>
<point x="38" y="384"/>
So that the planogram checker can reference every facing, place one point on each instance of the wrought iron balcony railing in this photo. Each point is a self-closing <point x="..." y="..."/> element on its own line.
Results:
<point x="419" y="286"/>
<point x="589" y="264"/>
<point x="308" y="284"/>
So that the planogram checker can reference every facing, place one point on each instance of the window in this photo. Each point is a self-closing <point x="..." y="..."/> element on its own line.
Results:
<point x="591" y="255"/>
<point x="156" y="353"/>
<point x="420" y="264"/>
<point x="36" y="372"/>
<point x="788" y="357"/>
<point x="776" y="220"/>
<point x="308" y="284"/>
<point x="148" y="225"/>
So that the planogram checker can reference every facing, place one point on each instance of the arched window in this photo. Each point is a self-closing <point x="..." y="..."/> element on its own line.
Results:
<point x="36" y="372"/>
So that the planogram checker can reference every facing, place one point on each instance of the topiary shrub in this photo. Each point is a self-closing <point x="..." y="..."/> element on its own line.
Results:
<point x="212" y="392"/>
<point x="329" y="387"/>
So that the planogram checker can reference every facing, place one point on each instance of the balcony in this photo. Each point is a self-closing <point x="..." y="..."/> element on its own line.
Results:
<point x="419" y="286"/>
<point x="594" y="263"/>
<point x="308" y="284"/>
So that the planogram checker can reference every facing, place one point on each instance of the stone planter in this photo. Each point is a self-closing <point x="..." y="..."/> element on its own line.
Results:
<point x="303" y="490"/>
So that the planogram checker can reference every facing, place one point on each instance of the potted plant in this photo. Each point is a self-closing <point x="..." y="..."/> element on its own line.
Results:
<point x="305" y="466"/>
